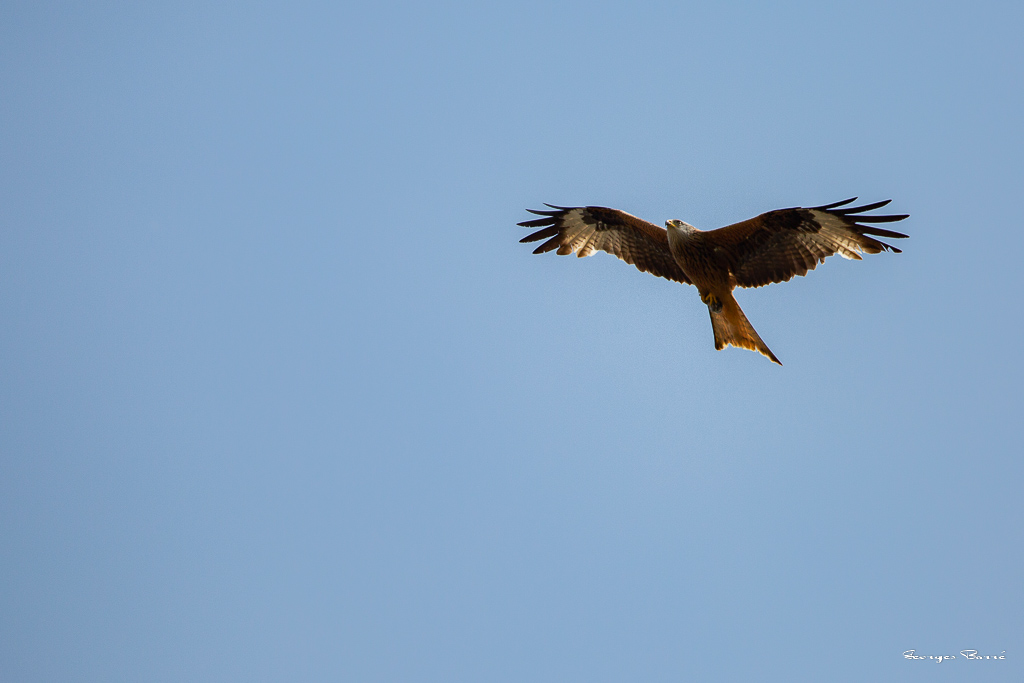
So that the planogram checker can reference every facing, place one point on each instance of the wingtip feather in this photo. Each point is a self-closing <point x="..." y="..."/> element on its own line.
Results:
<point x="539" y="235"/>
<point x="864" y="208"/>
<point x="833" y="205"/>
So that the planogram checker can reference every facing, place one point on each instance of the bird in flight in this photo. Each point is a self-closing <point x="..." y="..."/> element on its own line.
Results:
<point x="772" y="247"/>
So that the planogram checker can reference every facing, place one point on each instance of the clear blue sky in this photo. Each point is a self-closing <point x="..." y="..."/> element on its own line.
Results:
<point x="282" y="398"/>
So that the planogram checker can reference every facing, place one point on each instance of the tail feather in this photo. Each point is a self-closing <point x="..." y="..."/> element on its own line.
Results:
<point x="732" y="328"/>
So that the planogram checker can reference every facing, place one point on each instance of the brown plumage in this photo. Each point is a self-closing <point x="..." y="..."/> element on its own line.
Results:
<point x="772" y="247"/>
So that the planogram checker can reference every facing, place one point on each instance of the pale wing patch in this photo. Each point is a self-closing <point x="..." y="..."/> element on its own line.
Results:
<point x="837" y="236"/>
<point x="576" y="234"/>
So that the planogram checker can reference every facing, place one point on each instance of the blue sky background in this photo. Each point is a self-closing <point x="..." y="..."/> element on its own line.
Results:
<point x="282" y="398"/>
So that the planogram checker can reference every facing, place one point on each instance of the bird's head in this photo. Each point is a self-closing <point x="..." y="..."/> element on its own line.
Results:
<point x="679" y="226"/>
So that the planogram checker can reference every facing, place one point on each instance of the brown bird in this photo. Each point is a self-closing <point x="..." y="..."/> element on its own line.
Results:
<point x="772" y="247"/>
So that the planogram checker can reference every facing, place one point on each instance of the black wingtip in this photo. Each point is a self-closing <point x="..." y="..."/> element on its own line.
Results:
<point x="878" y="232"/>
<point x="881" y="219"/>
<point x="537" y="222"/>
<point x="865" y="207"/>
<point x="539" y="235"/>
<point x="550" y="245"/>
<point x="833" y="205"/>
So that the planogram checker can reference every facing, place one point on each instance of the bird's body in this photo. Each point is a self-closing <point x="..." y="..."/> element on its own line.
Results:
<point x="700" y="258"/>
<point x="772" y="247"/>
<point x="707" y="267"/>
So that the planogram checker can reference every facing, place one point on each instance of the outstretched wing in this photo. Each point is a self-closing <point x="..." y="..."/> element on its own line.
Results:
<point x="777" y="245"/>
<point x="586" y="229"/>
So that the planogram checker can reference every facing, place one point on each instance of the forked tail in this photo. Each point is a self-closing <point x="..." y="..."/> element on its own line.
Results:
<point x="732" y="327"/>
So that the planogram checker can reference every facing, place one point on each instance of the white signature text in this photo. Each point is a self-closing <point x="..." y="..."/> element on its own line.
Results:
<point x="965" y="654"/>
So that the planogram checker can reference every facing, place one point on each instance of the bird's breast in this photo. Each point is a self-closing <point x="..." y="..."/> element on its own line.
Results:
<point x="698" y="259"/>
